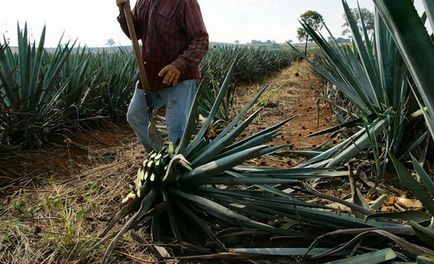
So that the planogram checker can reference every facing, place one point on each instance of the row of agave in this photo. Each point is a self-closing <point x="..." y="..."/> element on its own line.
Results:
<point x="388" y="80"/>
<point x="45" y="93"/>
<point x="389" y="83"/>
<point x="203" y="191"/>
<point x="252" y="63"/>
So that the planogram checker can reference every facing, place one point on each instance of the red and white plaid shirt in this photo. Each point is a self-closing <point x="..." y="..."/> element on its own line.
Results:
<point x="172" y="32"/>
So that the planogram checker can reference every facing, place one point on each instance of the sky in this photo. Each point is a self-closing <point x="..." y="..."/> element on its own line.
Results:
<point x="93" y="22"/>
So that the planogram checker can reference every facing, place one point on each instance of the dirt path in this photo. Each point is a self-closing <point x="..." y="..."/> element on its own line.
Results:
<point x="294" y="92"/>
<point x="57" y="200"/>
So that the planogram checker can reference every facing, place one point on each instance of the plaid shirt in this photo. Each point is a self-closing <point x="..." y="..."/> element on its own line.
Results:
<point x="172" y="32"/>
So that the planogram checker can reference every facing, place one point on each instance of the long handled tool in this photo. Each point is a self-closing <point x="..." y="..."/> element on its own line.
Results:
<point x="154" y="136"/>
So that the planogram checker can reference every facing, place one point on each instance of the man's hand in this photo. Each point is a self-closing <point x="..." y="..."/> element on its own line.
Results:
<point x="171" y="74"/>
<point x="121" y="3"/>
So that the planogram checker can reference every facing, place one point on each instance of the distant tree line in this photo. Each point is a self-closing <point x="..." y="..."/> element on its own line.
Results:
<point x="271" y="43"/>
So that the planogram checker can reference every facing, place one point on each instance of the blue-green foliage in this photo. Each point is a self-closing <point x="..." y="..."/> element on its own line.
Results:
<point x="49" y="91"/>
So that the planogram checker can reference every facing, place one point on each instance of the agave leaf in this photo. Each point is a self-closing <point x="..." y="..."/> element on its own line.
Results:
<point x="242" y="113"/>
<point x="223" y="212"/>
<point x="426" y="234"/>
<point x="271" y="150"/>
<point x="360" y="144"/>
<point x="218" y="144"/>
<point x="231" y="195"/>
<point x="172" y="218"/>
<point x="332" y="220"/>
<point x="261" y="198"/>
<point x="411" y="248"/>
<point x="190" y="126"/>
<point x="410" y="183"/>
<point x="244" y="181"/>
<point x="222" y="164"/>
<point x="321" y="218"/>
<point x="415" y="144"/>
<point x="427" y="259"/>
<point x="358" y="199"/>
<point x="346" y="149"/>
<point x="326" y="156"/>
<point x="278" y="171"/>
<point x="348" y="124"/>
<point x="378" y="256"/>
<point x="413" y="42"/>
<point x="124" y="211"/>
<point x="259" y="138"/>
<point x="406" y="216"/>
<point x="79" y="76"/>
<point x="283" y="251"/>
<point x="309" y="154"/>
<point x="32" y="79"/>
<point x="366" y="57"/>
<point x="224" y="88"/>
<point x="260" y="210"/>
<point x="423" y="175"/>
<point x="201" y="223"/>
<point x="293" y="173"/>
<point x="292" y="200"/>
<point x="156" y="228"/>
<point x="378" y="202"/>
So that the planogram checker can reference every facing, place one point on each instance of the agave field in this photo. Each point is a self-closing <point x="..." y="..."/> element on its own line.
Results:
<point x="213" y="196"/>
<point x="52" y="93"/>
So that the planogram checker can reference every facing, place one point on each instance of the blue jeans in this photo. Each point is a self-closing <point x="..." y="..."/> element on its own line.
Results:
<point x="177" y="99"/>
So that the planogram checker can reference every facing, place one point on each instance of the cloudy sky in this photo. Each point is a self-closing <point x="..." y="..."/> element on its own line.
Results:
<point x="92" y="22"/>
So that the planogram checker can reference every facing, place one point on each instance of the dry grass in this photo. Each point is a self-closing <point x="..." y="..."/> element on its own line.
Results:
<point x="56" y="219"/>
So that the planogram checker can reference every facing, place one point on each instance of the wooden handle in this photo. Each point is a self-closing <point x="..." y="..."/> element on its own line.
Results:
<point x="136" y="47"/>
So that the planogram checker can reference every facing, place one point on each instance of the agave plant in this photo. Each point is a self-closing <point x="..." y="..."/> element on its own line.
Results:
<point x="29" y="83"/>
<point x="417" y="49"/>
<point x="373" y="76"/>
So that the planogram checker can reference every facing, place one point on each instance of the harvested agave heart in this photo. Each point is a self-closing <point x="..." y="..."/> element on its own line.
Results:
<point x="158" y="169"/>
